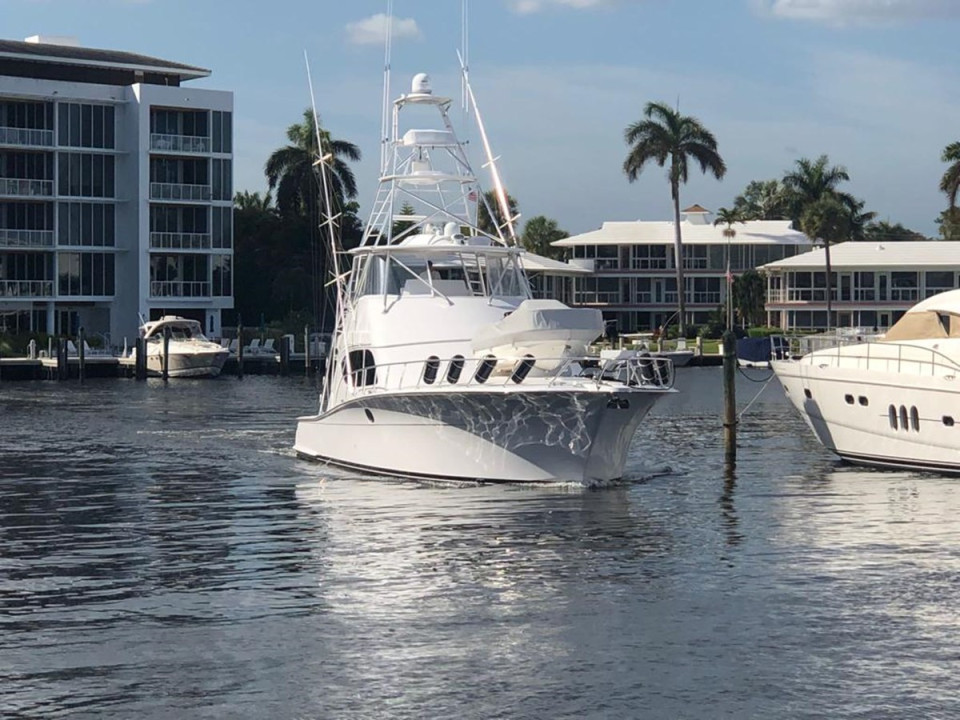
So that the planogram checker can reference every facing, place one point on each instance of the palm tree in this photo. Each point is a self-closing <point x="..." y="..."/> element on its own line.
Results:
<point x="494" y="226"/>
<point x="245" y="200"/>
<point x="762" y="200"/>
<point x="670" y="139"/>
<point x="811" y="181"/>
<point x="828" y="220"/>
<point x="538" y="234"/>
<point x="291" y="170"/>
<point x="728" y="217"/>
<point x="950" y="183"/>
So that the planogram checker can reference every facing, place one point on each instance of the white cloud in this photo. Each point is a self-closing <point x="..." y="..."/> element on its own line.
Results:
<point x="843" y="11"/>
<point x="526" y="7"/>
<point x="373" y="30"/>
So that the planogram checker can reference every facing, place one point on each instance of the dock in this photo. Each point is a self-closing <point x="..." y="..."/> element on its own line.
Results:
<point x="108" y="366"/>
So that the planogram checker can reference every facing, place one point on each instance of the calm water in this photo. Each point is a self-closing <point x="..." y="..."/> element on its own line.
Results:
<point x="163" y="554"/>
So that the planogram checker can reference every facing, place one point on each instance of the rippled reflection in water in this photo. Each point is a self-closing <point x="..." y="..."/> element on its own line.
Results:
<point x="163" y="554"/>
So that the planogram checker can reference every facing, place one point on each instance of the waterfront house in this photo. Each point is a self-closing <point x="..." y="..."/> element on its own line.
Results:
<point x="632" y="266"/>
<point x="116" y="187"/>
<point x="873" y="283"/>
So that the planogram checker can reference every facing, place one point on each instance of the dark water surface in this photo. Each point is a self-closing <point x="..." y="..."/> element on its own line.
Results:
<point x="163" y="554"/>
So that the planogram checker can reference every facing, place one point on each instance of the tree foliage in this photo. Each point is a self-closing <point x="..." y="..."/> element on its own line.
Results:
<point x="950" y="182"/>
<point x="750" y="297"/>
<point x="539" y="232"/>
<point x="884" y="231"/>
<point x="763" y="200"/>
<point x="496" y="225"/>
<point x="829" y="221"/>
<point x="671" y="140"/>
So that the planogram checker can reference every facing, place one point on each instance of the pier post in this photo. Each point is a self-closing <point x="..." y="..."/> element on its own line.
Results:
<point x="140" y="366"/>
<point x="285" y="354"/>
<point x="306" y="349"/>
<point x="730" y="398"/>
<point x="81" y="341"/>
<point x="63" y="369"/>
<point x="166" y="353"/>
<point x="239" y="348"/>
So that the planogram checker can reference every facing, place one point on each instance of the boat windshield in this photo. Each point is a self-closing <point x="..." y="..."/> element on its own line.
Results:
<point x="179" y="332"/>
<point x="450" y="274"/>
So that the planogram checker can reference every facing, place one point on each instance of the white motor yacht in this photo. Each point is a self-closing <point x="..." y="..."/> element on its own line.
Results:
<point x="443" y="366"/>
<point x="891" y="401"/>
<point x="189" y="352"/>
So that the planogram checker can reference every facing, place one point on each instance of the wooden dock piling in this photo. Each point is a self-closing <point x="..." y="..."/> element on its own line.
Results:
<point x="730" y="398"/>
<point x="81" y="343"/>
<point x="166" y="353"/>
<point x="140" y="367"/>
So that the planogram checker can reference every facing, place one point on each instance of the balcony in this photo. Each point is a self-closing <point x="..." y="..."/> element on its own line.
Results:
<point x="26" y="137"/>
<point x="24" y="187"/>
<point x="179" y="241"/>
<point x="179" y="143"/>
<point x="26" y="289"/>
<point x="180" y="289"/>
<point x="11" y="238"/>
<point x="177" y="191"/>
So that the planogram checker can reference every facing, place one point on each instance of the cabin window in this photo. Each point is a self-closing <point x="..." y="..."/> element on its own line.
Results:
<point x="915" y="419"/>
<point x="864" y="401"/>
<point x="503" y="277"/>
<point x="361" y="370"/>
<point x="892" y="415"/>
<point x="849" y="399"/>
<point x="904" y="420"/>
<point x="948" y="421"/>
<point x="807" y="394"/>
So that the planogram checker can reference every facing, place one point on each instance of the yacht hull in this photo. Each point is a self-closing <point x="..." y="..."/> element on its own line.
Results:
<point x="876" y="418"/>
<point x="188" y="364"/>
<point x="532" y="436"/>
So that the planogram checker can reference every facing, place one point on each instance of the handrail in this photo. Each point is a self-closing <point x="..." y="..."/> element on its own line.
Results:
<point x="907" y="358"/>
<point x="653" y="373"/>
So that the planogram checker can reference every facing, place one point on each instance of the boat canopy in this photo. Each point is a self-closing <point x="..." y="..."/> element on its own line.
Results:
<point x="935" y="318"/>
<point x="539" y="321"/>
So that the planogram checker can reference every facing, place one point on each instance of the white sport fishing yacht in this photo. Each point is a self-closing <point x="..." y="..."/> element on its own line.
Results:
<point x="190" y="353"/>
<point x="443" y="366"/>
<point x="893" y="401"/>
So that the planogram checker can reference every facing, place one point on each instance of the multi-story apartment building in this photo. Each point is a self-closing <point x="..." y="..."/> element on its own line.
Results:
<point x="633" y="266"/>
<point x="873" y="283"/>
<point x="115" y="191"/>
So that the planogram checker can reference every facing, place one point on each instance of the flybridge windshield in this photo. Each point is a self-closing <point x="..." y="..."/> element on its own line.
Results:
<point x="461" y="274"/>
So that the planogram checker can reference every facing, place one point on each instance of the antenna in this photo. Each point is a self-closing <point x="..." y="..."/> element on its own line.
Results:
<point x="385" y="111"/>
<point x="491" y="160"/>
<point x="465" y="50"/>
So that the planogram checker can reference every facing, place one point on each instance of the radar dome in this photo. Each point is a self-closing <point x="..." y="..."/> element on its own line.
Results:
<point x="421" y="84"/>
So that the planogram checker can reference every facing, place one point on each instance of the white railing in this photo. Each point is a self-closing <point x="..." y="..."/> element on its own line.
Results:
<point x="26" y="288"/>
<point x="179" y="191"/>
<point x="648" y="264"/>
<point x="179" y="143"/>
<point x="179" y="288"/>
<point x="597" y="298"/>
<point x="180" y="241"/>
<point x="10" y="237"/>
<point x="22" y="186"/>
<point x="645" y="371"/>
<point x="26" y="136"/>
<point x="872" y="354"/>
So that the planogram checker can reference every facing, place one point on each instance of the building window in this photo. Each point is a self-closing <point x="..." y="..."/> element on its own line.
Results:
<point x="86" y="274"/>
<point x="223" y="227"/>
<point x="86" y="175"/>
<point x="222" y="132"/>
<point x="222" y="180"/>
<point x="85" y="125"/>
<point x="222" y="276"/>
<point x="87" y="224"/>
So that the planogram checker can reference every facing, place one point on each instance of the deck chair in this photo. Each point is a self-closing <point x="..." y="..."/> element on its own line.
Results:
<point x="71" y="348"/>
<point x="268" y="346"/>
<point x="254" y="346"/>
<point x="234" y="346"/>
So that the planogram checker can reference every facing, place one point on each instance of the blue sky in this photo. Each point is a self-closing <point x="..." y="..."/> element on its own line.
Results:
<point x="875" y="84"/>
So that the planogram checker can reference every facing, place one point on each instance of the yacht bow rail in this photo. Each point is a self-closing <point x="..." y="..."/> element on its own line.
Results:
<point x="434" y="373"/>
<point x="900" y="358"/>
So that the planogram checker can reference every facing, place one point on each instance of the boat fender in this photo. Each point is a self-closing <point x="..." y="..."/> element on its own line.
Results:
<point x="645" y="366"/>
<point x="522" y="369"/>
<point x="484" y="368"/>
<point x="430" y="369"/>
<point x="456" y="367"/>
